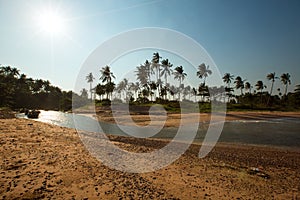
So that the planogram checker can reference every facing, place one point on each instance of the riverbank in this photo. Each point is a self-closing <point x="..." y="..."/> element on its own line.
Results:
<point x="40" y="160"/>
<point x="104" y="114"/>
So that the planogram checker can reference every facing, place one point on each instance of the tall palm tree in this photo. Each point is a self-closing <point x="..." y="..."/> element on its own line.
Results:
<point x="286" y="80"/>
<point x="166" y="69"/>
<point x="148" y="69"/>
<point x="260" y="86"/>
<point x="90" y="78"/>
<point x="271" y="77"/>
<point x="203" y="72"/>
<point x="179" y="74"/>
<point x="248" y="87"/>
<point x="122" y="87"/>
<point x="239" y="84"/>
<point x="155" y="64"/>
<point x="106" y="74"/>
<point x="142" y="75"/>
<point x="227" y="78"/>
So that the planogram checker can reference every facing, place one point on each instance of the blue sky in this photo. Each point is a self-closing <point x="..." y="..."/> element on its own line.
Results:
<point x="246" y="38"/>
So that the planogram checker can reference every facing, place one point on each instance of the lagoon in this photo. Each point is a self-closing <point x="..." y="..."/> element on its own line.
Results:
<point x="281" y="132"/>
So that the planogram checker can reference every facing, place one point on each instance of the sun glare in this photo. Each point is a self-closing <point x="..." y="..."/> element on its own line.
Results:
<point x="50" y="22"/>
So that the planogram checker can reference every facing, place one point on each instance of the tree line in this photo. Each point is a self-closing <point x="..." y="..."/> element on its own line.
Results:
<point x="19" y="91"/>
<point x="153" y="84"/>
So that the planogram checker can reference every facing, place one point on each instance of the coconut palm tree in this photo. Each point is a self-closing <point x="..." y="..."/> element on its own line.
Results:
<point x="155" y="64"/>
<point x="166" y="69"/>
<point x="106" y="74"/>
<point x="260" y="86"/>
<point x="179" y="74"/>
<point x="239" y="84"/>
<point x="100" y="90"/>
<point x="148" y="69"/>
<point x="271" y="77"/>
<point x="227" y="78"/>
<point x="203" y="72"/>
<point x="142" y="75"/>
<point x="90" y="78"/>
<point x="248" y="87"/>
<point x="286" y="80"/>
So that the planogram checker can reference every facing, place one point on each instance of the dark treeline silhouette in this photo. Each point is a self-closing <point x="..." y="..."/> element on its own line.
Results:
<point x="153" y="84"/>
<point x="19" y="91"/>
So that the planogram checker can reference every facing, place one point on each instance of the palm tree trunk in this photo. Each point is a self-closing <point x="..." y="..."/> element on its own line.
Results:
<point x="271" y="90"/>
<point x="91" y="90"/>
<point x="286" y="86"/>
<point x="179" y="89"/>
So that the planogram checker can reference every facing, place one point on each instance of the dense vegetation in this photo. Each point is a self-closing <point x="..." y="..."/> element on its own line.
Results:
<point x="153" y="85"/>
<point x="18" y="91"/>
<point x="156" y="82"/>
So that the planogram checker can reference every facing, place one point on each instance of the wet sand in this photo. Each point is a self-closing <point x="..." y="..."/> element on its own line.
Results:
<point x="40" y="160"/>
<point x="173" y="119"/>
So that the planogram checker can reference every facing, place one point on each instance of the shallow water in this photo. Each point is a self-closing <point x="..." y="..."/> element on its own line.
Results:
<point x="275" y="132"/>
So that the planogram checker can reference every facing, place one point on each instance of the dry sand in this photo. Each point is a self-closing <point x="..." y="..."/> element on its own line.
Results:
<point x="45" y="161"/>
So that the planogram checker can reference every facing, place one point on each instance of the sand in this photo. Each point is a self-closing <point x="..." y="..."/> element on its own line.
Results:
<point x="173" y="119"/>
<point x="39" y="160"/>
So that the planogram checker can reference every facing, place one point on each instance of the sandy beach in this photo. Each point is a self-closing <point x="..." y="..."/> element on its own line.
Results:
<point x="40" y="160"/>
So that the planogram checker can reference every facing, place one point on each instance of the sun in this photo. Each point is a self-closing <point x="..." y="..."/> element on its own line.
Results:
<point x="51" y="22"/>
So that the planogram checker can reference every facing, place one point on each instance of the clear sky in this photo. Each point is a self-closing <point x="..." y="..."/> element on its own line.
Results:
<point x="249" y="38"/>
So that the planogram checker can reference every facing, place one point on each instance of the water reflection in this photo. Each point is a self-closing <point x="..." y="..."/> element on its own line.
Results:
<point x="278" y="132"/>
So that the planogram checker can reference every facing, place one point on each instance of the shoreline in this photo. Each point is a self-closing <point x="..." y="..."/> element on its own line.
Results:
<point x="173" y="119"/>
<point x="40" y="160"/>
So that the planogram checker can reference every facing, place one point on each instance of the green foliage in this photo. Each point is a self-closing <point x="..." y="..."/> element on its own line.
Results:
<point x="18" y="91"/>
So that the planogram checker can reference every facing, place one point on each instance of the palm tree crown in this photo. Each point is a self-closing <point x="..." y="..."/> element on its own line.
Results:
<point x="271" y="77"/>
<point x="90" y="78"/>
<point x="248" y="86"/>
<point x="166" y="71"/>
<point x="239" y="84"/>
<point x="286" y="80"/>
<point x="179" y="74"/>
<point x="106" y="74"/>
<point x="260" y="85"/>
<point x="155" y="64"/>
<point x="227" y="78"/>
<point x="203" y="71"/>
